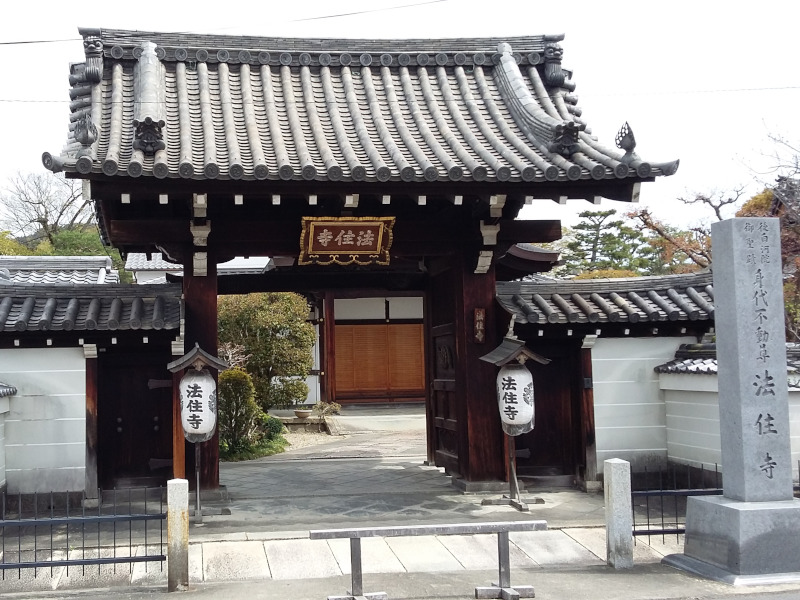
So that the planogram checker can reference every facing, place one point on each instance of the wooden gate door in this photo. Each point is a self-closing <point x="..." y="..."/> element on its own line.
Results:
<point x="134" y="421"/>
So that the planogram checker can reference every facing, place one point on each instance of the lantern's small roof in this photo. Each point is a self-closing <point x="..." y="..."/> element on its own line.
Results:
<point x="7" y="390"/>
<point x="194" y="355"/>
<point x="509" y="350"/>
<point x="202" y="107"/>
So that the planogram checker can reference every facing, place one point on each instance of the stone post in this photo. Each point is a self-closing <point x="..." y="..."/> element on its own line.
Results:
<point x="753" y="529"/>
<point x="619" y="515"/>
<point x="177" y="535"/>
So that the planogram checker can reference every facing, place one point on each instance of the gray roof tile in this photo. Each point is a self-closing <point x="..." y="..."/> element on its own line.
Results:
<point x="89" y="307"/>
<point x="701" y="359"/>
<point x="7" y="390"/>
<point x="57" y="270"/>
<point x="633" y="300"/>
<point x="329" y="110"/>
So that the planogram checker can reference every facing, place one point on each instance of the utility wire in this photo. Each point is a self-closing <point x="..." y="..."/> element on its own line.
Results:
<point x="136" y="34"/>
<point x="364" y="12"/>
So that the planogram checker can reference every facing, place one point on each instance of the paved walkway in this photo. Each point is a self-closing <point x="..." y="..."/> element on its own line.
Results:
<point x="262" y="550"/>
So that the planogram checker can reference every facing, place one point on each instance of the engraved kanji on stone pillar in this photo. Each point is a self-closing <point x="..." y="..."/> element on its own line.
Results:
<point x="751" y="350"/>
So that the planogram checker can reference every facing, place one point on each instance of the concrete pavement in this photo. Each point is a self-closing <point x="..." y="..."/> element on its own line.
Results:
<point x="262" y="550"/>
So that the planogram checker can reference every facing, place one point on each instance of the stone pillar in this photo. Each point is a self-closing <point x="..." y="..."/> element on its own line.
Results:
<point x="177" y="535"/>
<point x="619" y="515"/>
<point x="753" y="530"/>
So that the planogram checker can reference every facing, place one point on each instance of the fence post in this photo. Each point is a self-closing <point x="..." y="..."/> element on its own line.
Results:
<point x="619" y="515"/>
<point x="177" y="535"/>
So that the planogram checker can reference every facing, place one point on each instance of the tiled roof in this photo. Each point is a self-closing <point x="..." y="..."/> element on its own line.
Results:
<point x="57" y="269"/>
<point x="636" y="299"/>
<point x="83" y="307"/>
<point x="7" y="390"/>
<point x="701" y="359"/>
<point x="217" y="107"/>
<point x="138" y="261"/>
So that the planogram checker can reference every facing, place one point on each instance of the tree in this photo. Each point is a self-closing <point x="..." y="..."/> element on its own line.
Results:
<point x="686" y="250"/>
<point x="602" y="242"/>
<point x="239" y="415"/>
<point x="38" y="206"/>
<point x="11" y="247"/>
<point x="273" y="329"/>
<point x="782" y="201"/>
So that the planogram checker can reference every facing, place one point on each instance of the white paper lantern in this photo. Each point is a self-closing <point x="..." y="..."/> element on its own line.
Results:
<point x="515" y="398"/>
<point x="198" y="405"/>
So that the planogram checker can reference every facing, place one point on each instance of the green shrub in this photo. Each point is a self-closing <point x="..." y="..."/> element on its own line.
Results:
<point x="271" y="426"/>
<point x="286" y="391"/>
<point x="238" y="415"/>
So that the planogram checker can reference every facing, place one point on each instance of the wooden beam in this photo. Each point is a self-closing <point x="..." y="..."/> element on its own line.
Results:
<point x="532" y="232"/>
<point x="587" y="426"/>
<point x="200" y="301"/>
<point x="178" y="439"/>
<point x="328" y="341"/>
<point x="91" y="484"/>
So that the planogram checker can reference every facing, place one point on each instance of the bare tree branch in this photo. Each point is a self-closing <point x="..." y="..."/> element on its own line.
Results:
<point x="36" y="206"/>
<point x="695" y="246"/>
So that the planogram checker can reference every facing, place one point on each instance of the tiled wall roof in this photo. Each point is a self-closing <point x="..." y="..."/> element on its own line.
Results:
<point x="701" y="359"/>
<point x="80" y="307"/>
<point x="7" y="390"/>
<point x="58" y="269"/>
<point x="332" y="110"/>
<point x="633" y="300"/>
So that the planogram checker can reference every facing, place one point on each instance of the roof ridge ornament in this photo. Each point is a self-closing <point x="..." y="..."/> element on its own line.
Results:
<point x="93" y="49"/>
<point x="626" y="141"/>
<point x="553" y="134"/>
<point x="149" y="94"/>
<point x="554" y="75"/>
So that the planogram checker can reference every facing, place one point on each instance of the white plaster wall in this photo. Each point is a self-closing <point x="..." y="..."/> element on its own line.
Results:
<point x="45" y="428"/>
<point x="143" y="277"/>
<point x="400" y="307"/>
<point x="692" y="407"/>
<point x="354" y="309"/>
<point x="312" y="381"/>
<point x="406" y="307"/>
<point x="630" y="416"/>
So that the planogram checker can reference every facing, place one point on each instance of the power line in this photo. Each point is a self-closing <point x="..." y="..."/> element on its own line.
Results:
<point x="135" y="34"/>
<point x="364" y="12"/>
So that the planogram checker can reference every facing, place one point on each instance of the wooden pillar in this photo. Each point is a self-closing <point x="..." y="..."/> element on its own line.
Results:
<point x="328" y="347"/>
<point x="200" y="302"/>
<point x="178" y="439"/>
<point x="480" y="436"/>
<point x="90" y="353"/>
<point x="588" y="445"/>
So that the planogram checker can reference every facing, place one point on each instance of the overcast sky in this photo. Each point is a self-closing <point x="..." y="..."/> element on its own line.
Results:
<point x="700" y="81"/>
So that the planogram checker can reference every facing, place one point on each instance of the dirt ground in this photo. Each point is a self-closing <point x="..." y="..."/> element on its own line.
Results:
<point x="304" y="439"/>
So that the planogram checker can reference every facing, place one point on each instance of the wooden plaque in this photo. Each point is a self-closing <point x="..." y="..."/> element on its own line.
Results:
<point x="345" y="240"/>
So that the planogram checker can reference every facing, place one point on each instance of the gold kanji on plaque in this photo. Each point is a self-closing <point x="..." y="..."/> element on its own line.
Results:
<point x="345" y="240"/>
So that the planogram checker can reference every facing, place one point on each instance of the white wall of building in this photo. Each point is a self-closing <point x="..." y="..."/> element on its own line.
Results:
<point x="359" y="309"/>
<point x="45" y="427"/>
<point x="692" y="407"/>
<point x="630" y="416"/>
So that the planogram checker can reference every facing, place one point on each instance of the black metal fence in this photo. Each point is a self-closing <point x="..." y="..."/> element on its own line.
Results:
<point x="659" y="497"/>
<point x="49" y="530"/>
